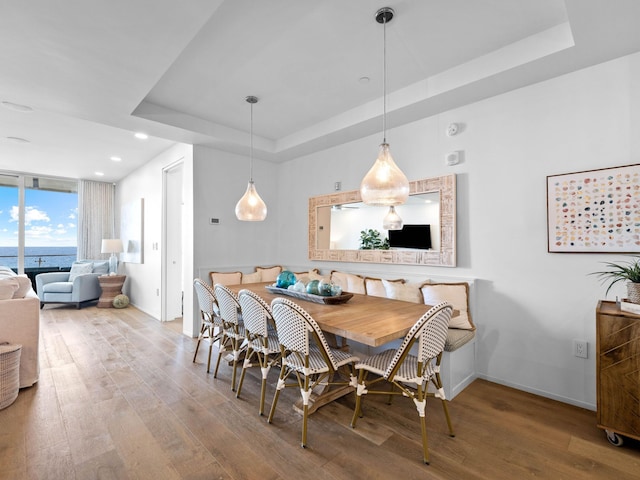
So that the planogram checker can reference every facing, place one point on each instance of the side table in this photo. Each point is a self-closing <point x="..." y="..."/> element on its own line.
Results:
<point x="111" y="287"/>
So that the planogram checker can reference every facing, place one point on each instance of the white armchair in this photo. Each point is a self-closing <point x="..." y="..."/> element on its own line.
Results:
<point x="78" y="286"/>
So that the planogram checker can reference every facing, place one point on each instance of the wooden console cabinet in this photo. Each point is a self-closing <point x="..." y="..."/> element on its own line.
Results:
<point x="618" y="372"/>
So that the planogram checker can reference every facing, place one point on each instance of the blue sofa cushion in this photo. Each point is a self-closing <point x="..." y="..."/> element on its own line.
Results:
<point x="101" y="267"/>
<point x="58" y="287"/>
<point x="78" y="268"/>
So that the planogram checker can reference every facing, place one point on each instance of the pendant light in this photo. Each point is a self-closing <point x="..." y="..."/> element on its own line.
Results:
<point x="392" y="220"/>
<point x="384" y="184"/>
<point x="251" y="208"/>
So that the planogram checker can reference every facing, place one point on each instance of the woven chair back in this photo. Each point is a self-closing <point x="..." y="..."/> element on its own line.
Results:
<point x="296" y="328"/>
<point x="228" y="303"/>
<point x="430" y="331"/>
<point x="256" y="313"/>
<point x="206" y="300"/>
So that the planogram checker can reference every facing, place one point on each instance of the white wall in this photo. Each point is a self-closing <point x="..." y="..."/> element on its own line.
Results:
<point x="220" y="179"/>
<point x="144" y="279"/>
<point x="530" y="304"/>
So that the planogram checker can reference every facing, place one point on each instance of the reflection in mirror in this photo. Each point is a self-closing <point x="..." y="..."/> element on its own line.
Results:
<point x="336" y="220"/>
<point x="342" y="224"/>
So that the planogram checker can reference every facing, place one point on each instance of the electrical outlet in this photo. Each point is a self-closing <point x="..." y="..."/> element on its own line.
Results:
<point x="581" y="348"/>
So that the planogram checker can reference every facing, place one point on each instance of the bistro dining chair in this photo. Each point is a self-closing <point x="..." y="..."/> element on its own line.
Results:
<point x="212" y="328"/>
<point x="233" y="327"/>
<point x="409" y="374"/>
<point x="263" y="346"/>
<point x="307" y="356"/>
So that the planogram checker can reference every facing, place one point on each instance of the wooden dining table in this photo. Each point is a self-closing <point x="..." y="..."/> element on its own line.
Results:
<point x="366" y="319"/>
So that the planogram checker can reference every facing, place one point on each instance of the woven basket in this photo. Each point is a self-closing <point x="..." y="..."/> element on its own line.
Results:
<point x="633" y="292"/>
<point x="9" y="374"/>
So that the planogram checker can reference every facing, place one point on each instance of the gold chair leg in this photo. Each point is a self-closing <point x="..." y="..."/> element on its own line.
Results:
<point x="446" y="414"/>
<point x="236" y="354"/>
<point x="305" y="408"/>
<point x="305" y="417"/>
<point x="357" y="411"/>
<point x="277" y="394"/>
<point x="209" y="357"/>
<point x="425" y="444"/>
<point x="445" y="404"/>
<point x="215" y="372"/>
<point x="263" y="391"/>
<point x="247" y="359"/>
<point x="222" y="347"/>
<point x="199" y="340"/>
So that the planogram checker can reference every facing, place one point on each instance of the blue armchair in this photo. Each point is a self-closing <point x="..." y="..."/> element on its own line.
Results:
<point x="78" y="286"/>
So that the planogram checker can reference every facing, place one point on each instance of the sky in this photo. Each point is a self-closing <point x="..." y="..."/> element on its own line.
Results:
<point x="51" y="218"/>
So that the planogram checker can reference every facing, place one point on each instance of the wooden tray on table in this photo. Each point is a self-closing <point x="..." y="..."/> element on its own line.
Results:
<point x="310" y="297"/>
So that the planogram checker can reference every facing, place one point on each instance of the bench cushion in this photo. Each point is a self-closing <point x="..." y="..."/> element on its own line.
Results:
<point x="348" y="281"/>
<point x="269" y="274"/>
<point x="375" y="287"/>
<point x="457" y="294"/>
<point x="225" y="278"/>
<point x="457" y="337"/>
<point x="408" y="292"/>
<point x="255" y="277"/>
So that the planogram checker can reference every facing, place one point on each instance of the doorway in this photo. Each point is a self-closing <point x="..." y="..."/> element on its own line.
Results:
<point x="172" y="261"/>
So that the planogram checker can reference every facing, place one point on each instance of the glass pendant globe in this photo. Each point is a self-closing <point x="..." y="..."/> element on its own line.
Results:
<point x="392" y="220"/>
<point x="251" y="208"/>
<point x="385" y="184"/>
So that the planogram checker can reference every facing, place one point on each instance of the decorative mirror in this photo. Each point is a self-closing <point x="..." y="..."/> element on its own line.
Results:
<point x="431" y="206"/>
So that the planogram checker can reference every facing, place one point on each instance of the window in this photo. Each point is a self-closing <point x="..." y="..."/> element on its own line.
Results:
<point x="40" y="232"/>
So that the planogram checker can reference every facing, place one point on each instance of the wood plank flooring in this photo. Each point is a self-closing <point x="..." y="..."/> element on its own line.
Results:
<point x="119" y="398"/>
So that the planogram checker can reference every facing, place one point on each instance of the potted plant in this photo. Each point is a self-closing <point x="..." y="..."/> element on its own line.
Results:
<point x="370" y="240"/>
<point x="624" y="272"/>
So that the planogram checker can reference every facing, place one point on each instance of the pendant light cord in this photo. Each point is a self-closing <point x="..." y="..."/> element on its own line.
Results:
<point x="251" y="146"/>
<point x="384" y="79"/>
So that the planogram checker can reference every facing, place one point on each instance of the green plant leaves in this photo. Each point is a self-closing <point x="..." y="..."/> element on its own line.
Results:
<point x="620" y="272"/>
<point x="371" y="240"/>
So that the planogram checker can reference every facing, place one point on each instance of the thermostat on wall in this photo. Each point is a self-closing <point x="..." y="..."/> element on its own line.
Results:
<point x="453" y="158"/>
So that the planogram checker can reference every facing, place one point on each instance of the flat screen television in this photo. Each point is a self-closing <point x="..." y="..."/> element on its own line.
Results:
<point x="411" y="236"/>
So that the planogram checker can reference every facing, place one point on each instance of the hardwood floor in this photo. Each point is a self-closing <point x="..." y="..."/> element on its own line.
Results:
<point x="119" y="398"/>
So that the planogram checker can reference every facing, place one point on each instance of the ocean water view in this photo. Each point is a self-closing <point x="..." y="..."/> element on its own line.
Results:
<point x="39" y="257"/>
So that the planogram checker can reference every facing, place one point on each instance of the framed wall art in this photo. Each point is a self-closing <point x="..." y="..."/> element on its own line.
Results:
<point x="595" y="211"/>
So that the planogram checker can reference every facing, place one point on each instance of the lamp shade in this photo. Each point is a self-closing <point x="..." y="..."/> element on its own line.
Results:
<point x="392" y="220"/>
<point x="384" y="184"/>
<point x="111" y="245"/>
<point x="251" y="208"/>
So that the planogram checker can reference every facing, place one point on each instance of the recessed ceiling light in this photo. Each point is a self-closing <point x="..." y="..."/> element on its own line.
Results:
<point x="141" y="136"/>
<point x="18" y="140"/>
<point x="17" y="107"/>
<point x="116" y="159"/>
<point x="99" y="174"/>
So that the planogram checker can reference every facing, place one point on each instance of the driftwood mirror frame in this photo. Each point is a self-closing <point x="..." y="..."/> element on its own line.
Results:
<point x="445" y="257"/>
